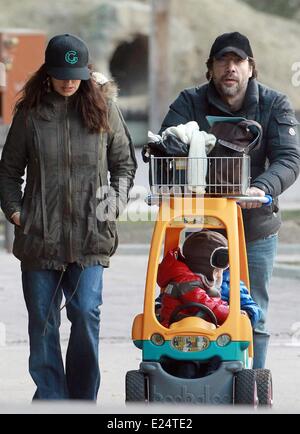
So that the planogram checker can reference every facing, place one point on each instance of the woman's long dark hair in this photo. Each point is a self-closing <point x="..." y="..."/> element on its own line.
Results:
<point x="88" y="100"/>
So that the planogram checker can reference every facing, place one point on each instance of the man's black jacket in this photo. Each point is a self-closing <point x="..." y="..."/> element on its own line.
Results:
<point x="275" y="165"/>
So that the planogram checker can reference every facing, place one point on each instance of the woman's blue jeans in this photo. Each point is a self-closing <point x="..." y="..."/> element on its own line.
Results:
<point x="80" y="379"/>
<point x="261" y="256"/>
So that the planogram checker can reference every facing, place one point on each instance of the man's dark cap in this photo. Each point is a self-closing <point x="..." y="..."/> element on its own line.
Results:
<point x="233" y="42"/>
<point x="67" y="58"/>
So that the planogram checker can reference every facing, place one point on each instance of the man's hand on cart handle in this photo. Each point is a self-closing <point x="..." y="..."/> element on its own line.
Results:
<point x="252" y="191"/>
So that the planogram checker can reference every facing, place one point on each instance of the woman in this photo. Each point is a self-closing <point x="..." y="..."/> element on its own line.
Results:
<point x="68" y="133"/>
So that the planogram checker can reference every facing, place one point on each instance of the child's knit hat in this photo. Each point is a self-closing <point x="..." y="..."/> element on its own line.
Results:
<point x="204" y="251"/>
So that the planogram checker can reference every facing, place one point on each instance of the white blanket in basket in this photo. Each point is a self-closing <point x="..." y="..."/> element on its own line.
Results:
<point x="201" y="144"/>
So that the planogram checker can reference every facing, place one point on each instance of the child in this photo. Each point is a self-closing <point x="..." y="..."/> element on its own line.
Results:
<point x="196" y="275"/>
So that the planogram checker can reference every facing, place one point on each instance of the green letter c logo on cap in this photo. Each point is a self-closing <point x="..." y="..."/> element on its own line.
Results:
<point x="71" y="57"/>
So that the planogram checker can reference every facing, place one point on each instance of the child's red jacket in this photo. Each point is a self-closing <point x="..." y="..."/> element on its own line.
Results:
<point x="173" y="270"/>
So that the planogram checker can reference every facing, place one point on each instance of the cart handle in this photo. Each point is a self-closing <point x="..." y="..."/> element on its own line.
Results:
<point x="265" y="200"/>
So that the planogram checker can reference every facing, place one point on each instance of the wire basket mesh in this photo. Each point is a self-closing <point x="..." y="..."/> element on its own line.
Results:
<point x="220" y="176"/>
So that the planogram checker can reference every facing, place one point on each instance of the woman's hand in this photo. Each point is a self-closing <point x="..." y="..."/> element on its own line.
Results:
<point x="16" y="218"/>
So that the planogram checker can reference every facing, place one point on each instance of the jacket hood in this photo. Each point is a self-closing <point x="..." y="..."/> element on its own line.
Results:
<point x="110" y="90"/>
<point x="109" y="87"/>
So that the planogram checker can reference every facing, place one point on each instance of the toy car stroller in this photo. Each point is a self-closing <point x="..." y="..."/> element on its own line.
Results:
<point x="223" y="354"/>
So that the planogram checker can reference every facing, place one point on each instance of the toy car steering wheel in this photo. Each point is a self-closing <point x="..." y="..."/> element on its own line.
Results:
<point x="203" y="311"/>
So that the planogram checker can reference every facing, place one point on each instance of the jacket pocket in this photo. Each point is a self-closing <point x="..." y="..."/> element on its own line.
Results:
<point x="287" y="119"/>
<point x="31" y="218"/>
<point x="101" y="242"/>
<point x="27" y="247"/>
<point x="288" y="128"/>
<point x="26" y="216"/>
<point x="22" y="217"/>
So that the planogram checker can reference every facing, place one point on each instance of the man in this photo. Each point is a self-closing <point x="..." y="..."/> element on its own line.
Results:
<point x="233" y="90"/>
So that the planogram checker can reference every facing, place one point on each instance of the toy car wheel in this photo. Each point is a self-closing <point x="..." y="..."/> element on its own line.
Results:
<point x="245" y="388"/>
<point x="264" y="387"/>
<point x="135" y="387"/>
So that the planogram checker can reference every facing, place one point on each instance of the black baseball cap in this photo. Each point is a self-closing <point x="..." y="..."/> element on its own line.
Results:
<point x="233" y="42"/>
<point x="67" y="58"/>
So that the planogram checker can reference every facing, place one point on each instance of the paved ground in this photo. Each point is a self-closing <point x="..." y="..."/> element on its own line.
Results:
<point x="123" y="299"/>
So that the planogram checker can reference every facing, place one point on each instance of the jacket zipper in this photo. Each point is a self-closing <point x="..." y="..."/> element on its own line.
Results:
<point x="69" y="198"/>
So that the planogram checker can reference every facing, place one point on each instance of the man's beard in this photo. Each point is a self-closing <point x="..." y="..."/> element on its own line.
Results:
<point x="230" y="90"/>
